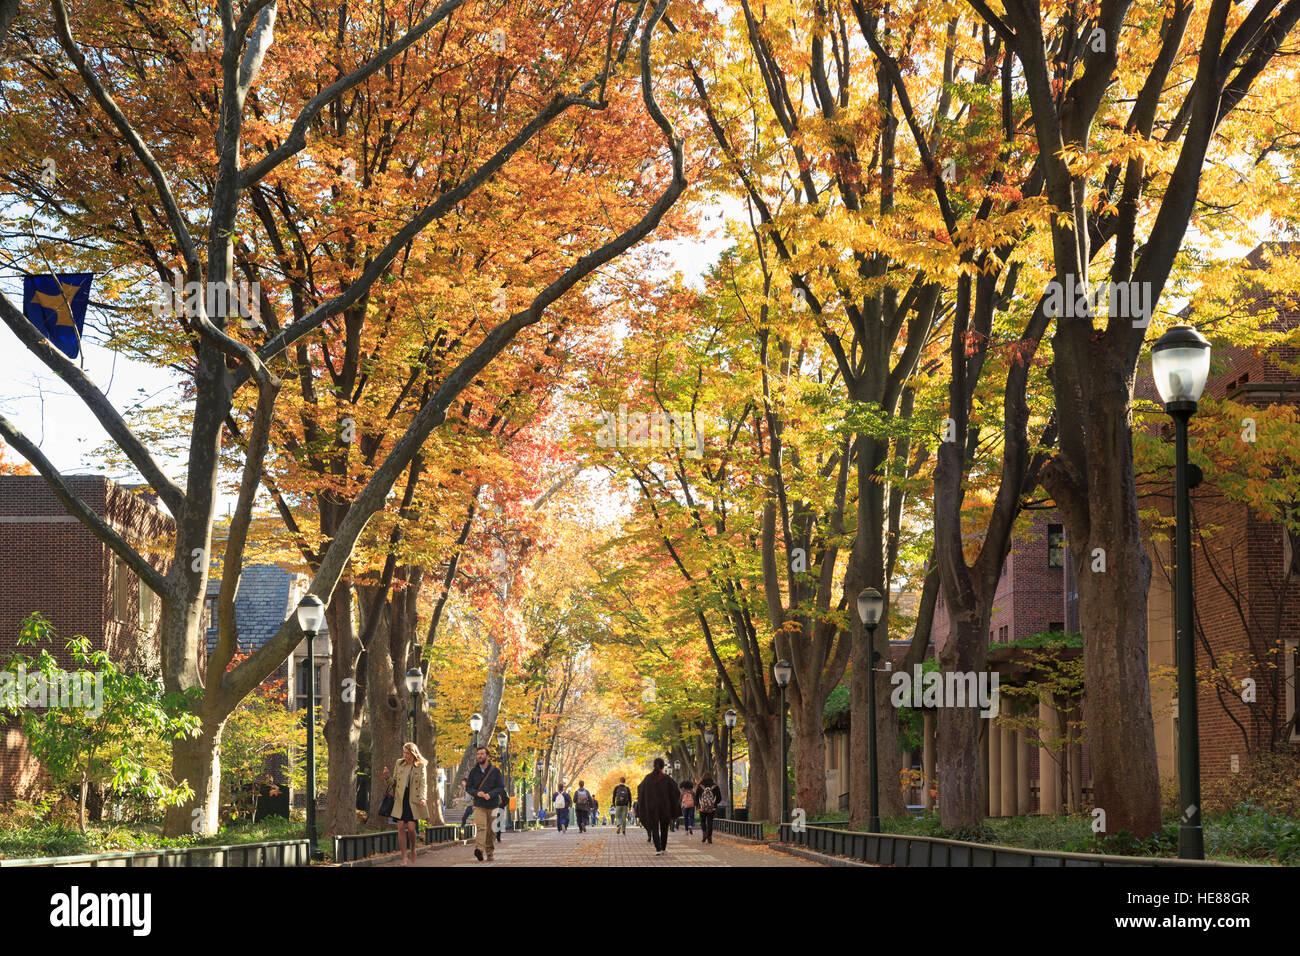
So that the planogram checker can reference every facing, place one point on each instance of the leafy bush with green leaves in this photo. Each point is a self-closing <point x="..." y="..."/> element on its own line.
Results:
<point x="109" y="741"/>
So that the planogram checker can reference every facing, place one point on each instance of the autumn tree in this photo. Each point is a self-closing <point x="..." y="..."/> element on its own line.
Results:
<point x="116" y="88"/>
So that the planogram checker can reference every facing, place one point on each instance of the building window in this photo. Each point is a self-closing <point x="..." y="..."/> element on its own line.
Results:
<point x="1055" y="546"/>
<point x="300" y="684"/>
<point x="145" y="617"/>
<point x="1057" y="627"/>
<point x="1002" y="634"/>
<point x="121" y="583"/>
<point x="833" y="753"/>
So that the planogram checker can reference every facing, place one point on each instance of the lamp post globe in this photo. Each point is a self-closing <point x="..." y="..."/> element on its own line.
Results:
<point x="871" y="605"/>
<point x="311" y="614"/>
<point x="476" y="724"/>
<point x="1180" y="364"/>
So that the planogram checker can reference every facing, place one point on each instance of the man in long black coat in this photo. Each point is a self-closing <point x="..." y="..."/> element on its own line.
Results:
<point x="658" y="804"/>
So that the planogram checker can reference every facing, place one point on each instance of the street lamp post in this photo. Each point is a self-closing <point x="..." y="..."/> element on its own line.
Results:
<point x="708" y="751"/>
<point x="870" y="607"/>
<point x="782" y="671"/>
<point x="503" y="748"/>
<point x="521" y="812"/>
<point x="730" y="719"/>
<point x="415" y="686"/>
<point x="476" y="724"/>
<point x="1180" y="363"/>
<point x="311" y="613"/>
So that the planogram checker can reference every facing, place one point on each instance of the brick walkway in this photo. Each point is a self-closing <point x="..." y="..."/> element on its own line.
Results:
<point x="603" y="846"/>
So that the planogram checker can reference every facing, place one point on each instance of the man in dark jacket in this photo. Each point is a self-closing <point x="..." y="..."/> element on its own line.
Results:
<point x="659" y="804"/>
<point x="582" y="803"/>
<point x="622" y="803"/>
<point x="487" y="788"/>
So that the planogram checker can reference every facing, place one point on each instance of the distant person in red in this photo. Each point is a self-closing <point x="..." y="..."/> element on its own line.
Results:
<point x="658" y="804"/>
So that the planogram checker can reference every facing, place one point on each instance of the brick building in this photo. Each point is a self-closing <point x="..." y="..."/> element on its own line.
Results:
<point x="52" y="563"/>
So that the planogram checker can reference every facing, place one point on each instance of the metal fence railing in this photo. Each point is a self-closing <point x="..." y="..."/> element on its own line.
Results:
<point x="895" y="849"/>
<point x="274" y="853"/>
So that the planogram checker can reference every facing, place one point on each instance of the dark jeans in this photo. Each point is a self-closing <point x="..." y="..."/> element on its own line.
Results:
<point x="659" y="832"/>
<point x="582" y="820"/>
<point x="706" y="826"/>
<point x="561" y="820"/>
<point x="689" y="814"/>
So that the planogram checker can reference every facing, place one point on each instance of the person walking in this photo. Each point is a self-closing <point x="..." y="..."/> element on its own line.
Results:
<point x="561" y="803"/>
<point x="410" y="785"/>
<point x="707" y="797"/>
<point x="688" y="806"/>
<point x="622" y="800"/>
<point x="487" y="788"/>
<point x="582" y="803"/>
<point x="659" y="804"/>
<point x="469" y="807"/>
<point x="595" y="811"/>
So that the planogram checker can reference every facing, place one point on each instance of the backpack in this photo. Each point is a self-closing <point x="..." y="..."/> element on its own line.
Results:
<point x="708" y="800"/>
<point x="581" y="798"/>
<point x="688" y="800"/>
<point x="559" y="801"/>
<point x="622" y="796"/>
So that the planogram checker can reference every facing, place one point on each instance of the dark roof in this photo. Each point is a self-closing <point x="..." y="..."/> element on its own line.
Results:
<point x="261" y="606"/>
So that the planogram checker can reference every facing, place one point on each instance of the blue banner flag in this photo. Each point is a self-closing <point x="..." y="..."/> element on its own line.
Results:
<point x="56" y="305"/>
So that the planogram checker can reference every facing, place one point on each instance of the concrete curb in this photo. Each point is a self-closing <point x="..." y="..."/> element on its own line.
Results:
<point x="812" y="855"/>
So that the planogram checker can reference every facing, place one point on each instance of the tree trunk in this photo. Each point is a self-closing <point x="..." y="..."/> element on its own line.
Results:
<point x="809" y="757"/>
<point x="197" y="760"/>
<point x="493" y="689"/>
<point x="759" y="798"/>
<point x="343" y="727"/>
<point x="961" y="781"/>
<point x="388" y="711"/>
<point x="1121" y="733"/>
<point x="1113" y="573"/>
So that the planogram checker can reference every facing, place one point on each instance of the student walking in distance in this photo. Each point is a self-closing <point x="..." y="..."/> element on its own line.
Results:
<point x="622" y="803"/>
<point x="582" y="803"/>
<point x="562" y="802"/>
<point x="595" y="811"/>
<point x="487" y="788"/>
<point x="410" y="786"/>
<point x="688" y="806"/>
<point x="707" y="797"/>
<point x="659" y="804"/>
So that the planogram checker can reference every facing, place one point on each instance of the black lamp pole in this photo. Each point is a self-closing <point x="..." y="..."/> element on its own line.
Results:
<point x="873" y="770"/>
<point x="1180" y="364"/>
<point x="1191" y="845"/>
<point x="311" y="745"/>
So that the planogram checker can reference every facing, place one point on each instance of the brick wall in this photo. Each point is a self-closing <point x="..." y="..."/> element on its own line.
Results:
<point x="50" y="562"/>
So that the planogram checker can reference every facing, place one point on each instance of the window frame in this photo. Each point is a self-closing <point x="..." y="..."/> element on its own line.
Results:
<point x="1056" y="550"/>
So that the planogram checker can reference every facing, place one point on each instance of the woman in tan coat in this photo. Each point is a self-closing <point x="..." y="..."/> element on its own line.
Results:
<point x="410" y="787"/>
